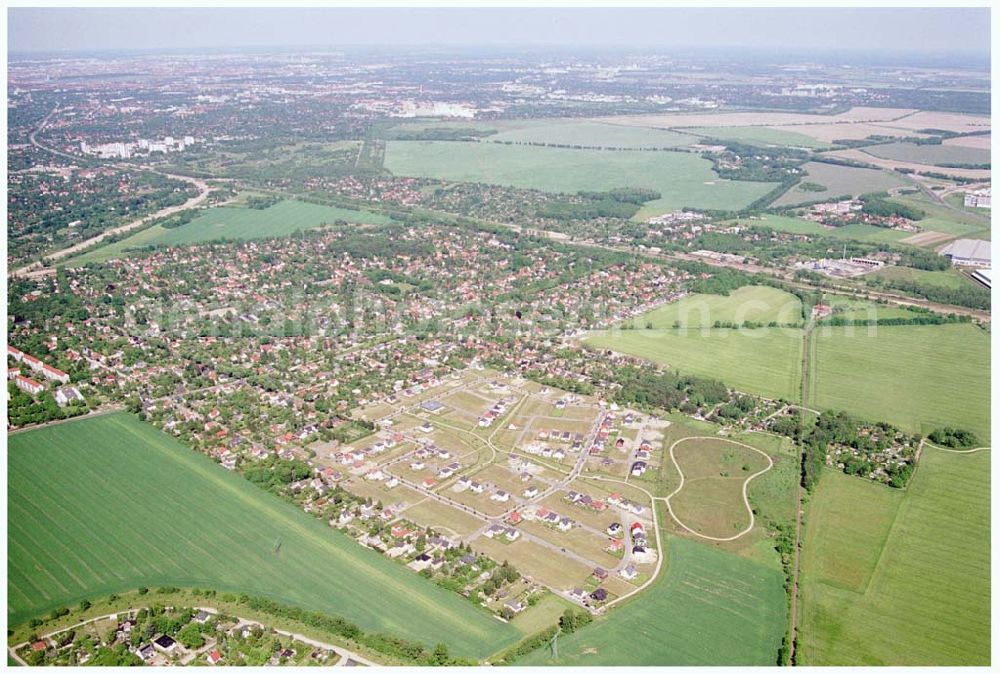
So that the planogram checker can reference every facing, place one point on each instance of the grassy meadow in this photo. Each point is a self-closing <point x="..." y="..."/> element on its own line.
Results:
<point x="759" y="304"/>
<point x="760" y="135"/>
<point x="899" y="578"/>
<point x="709" y="607"/>
<point x="865" y="310"/>
<point x="592" y="134"/>
<point x="683" y="179"/>
<point x="930" y="154"/>
<point x="583" y="132"/>
<point x="281" y="219"/>
<point x="859" y="231"/>
<point x="711" y="502"/>
<point x="918" y="377"/>
<point x="948" y="279"/>
<point x="109" y="503"/>
<point x="765" y="361"/>
<point x="839" y="181"/>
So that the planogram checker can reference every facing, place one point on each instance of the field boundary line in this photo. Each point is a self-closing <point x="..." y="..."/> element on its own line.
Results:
<point x="746" y="485"/>
<point x="957" y="451"/>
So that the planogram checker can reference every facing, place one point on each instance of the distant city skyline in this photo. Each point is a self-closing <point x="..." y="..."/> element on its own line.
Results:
<point x="928" y="31"/>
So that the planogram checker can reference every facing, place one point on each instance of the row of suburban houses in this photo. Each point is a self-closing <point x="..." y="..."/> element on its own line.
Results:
<point x="38" y="366"/>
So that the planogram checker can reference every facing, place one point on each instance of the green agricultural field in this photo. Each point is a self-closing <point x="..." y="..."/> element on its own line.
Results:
<point x="930" y="154"/>
<point x="709" y="607"/>
<point x="859" y="232"/>
<point x="109" y="503"/>
<point x="940" y="218"/>
<point x="948" y="279"/>
<point x="918" y="377"/>
<point x="282" y="219"/>
<point x="863" y="310"/>
<point x="766" y="361"/>
<point x="583" y="132"/>
<point x="760" y="135"/>
<point x="839" y="181"/>
<point x="760" y="304"/>
<point x="893" y="578"/>
<point x="592" y="134"/>
<point x="682" y="178"/>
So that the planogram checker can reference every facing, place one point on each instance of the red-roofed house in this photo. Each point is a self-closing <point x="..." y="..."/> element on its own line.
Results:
<point x="32" y="362"/>
<point x="28" y="385"/>
<point x="55" y="374"/>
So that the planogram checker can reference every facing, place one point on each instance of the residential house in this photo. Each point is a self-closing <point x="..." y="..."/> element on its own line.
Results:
<point x="599" y="595"/>
<point x="28" y="385"/>
<point x="166" y="644"/>
<point x="68" y="394"/>
<point x="494" y="530"/>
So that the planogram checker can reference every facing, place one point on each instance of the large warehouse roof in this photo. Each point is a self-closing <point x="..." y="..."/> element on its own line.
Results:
<point x="969" y="249"/>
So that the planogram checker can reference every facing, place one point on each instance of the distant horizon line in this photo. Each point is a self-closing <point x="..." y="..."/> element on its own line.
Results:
<point x="514" y="46"/>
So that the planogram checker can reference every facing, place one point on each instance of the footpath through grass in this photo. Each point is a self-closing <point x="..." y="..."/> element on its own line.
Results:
<point x="899" y="579"/>
<point x="709" y="607"/>
<point x="109" y="503"/>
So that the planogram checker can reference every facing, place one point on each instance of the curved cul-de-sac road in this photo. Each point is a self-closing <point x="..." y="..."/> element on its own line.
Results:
<point x="746" y="486"/>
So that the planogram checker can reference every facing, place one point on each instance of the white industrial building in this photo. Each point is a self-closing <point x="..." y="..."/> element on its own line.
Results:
<point x="978" y="199"/>
<point x="984" y="276"/>
<point x="968" y="253"/>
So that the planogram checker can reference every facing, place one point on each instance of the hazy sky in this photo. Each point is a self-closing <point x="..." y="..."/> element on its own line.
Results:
<point x="896" y="29"/>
